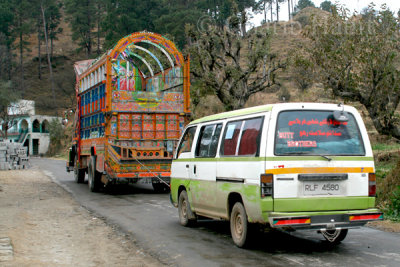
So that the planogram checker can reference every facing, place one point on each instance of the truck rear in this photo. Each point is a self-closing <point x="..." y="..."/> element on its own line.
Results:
<point x="130" y="112"/>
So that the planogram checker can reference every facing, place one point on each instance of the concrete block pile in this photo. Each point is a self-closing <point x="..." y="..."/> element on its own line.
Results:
<point x="13" y="156"/>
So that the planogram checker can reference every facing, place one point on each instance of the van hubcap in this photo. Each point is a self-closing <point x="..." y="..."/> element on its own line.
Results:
<point x="184" y="211"/>
<point x="238" y="225"/>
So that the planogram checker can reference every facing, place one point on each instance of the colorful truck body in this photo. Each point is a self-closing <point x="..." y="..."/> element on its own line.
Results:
<point x="130" y="113"/>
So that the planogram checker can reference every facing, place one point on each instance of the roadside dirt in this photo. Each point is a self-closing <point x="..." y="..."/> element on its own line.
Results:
<point x="387" y="226"/>
<point x="42" y="225"/>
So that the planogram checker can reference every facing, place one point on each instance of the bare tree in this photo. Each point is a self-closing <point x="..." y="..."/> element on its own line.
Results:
<point x="230" y="66"/>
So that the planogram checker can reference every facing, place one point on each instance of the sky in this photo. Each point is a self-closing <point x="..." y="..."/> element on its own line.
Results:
<point x="352" y="5"/>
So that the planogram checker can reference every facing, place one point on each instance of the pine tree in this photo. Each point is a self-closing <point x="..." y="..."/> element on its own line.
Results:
<point x="6" y="39"/>
<point x="81" y="18"/>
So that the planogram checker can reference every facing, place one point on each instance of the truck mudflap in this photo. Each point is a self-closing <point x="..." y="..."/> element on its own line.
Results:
<point x="325" y="222"/>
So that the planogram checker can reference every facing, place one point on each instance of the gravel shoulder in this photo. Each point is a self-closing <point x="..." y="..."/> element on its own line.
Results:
<point x="42" y="225"/>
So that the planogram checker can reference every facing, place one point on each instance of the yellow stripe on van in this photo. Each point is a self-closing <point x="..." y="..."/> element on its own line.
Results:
<point x="321" y="170"/>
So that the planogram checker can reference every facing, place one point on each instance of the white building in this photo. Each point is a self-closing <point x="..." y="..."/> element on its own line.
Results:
<point x="30" y="129"/>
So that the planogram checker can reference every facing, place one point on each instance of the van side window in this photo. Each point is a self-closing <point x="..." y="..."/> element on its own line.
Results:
<point x="231" y="136"/>
<point x="208" y="141"/>
<point x="251" y="135"/>
<point x="242" y="138"/>
<point x="187" y="140"/>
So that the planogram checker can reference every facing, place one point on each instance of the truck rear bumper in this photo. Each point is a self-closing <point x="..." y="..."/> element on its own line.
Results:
<point x="324" y="221"/>
<point x="134" y="180"/>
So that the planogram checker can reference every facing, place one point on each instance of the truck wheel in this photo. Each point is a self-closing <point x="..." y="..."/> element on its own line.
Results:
<point x="335" y="236"/>
<point x="186" y="216"/>
<point x="79" y="174"/>
<point x="239" y="225"/>
<point x="93" y="177"/>
<point x="160" y="187"/>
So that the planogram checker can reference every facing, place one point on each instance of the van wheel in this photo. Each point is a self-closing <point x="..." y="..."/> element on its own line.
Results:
<point x="79" y="174"/>
<point x="93" y="176"/>
<point x="186" y="216"/>
<point x="239" y="225"/>
<point x="335" y="236"/>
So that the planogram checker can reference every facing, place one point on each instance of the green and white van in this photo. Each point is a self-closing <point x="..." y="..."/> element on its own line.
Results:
<point x="290" y="166"/>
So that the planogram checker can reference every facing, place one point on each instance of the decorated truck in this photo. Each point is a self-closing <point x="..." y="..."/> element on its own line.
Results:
<point x="132" y="105"/>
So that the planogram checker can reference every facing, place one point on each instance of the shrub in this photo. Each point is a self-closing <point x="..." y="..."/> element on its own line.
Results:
<point x="56" y="136"/>
<point x="392" y="211"/>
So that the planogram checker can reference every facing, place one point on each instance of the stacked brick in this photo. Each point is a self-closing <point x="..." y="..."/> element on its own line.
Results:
<point x="13" y="156"/>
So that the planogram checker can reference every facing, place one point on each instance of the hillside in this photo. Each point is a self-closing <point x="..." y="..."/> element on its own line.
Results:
<point x="285" y="43"/>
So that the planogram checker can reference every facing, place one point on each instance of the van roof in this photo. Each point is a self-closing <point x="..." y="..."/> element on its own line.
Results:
<point x="234" y="113"/>
<point x="266" y="108"/>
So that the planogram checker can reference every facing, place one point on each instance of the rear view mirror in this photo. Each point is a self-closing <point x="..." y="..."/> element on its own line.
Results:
<point x="341" y="116"/>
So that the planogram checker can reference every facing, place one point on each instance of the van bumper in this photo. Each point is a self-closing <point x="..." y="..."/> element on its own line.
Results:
<point x="324" y="220"/>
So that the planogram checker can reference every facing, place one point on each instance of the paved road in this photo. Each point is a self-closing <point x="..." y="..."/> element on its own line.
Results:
<point x="153" y="223"/>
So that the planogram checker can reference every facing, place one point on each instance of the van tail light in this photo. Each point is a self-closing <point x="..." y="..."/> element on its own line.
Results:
<point x="290" y="221"/>
<point x="267" y="184"/>
<point x="371" y="184"/>
<point x="366" y="217"/>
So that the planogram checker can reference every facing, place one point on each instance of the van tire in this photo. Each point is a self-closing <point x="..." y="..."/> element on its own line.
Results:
<point x="79" y="174"/>
<point x="239" y="225"/>
<point x="93" y="176"/>
<point x="186" y="216"/>
<point x="329" y="236"/>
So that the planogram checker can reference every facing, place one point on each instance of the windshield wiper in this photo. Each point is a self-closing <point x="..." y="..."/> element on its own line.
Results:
<point x="325" y="157"/>
<point x="309" y="153"/>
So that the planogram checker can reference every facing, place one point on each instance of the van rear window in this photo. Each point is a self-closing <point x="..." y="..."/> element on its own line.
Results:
<point x="316" y="133"/>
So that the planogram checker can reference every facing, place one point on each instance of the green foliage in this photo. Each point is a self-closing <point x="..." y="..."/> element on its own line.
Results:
<point x="303" y="4"/>
<point x="327" y="6"/>
<point x="56" y="136"/>
<point x="392" y="210"/>
<point x="388" y="185"/>
<point x="8" y="95"/>
<point x="357" y="58"/>
<point x="81" y="17"/>
<point x="303" y="71"/>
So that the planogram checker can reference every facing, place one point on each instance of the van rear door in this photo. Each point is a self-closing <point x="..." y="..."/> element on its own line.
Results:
<point x="320" y="162"/>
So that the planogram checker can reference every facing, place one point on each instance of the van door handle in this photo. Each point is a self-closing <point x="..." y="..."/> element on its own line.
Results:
<point x="187" y="166"/>
<point x="194" y="169"/>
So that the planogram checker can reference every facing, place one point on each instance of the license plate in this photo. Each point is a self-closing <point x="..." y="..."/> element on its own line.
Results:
<point x="322" y="188"/>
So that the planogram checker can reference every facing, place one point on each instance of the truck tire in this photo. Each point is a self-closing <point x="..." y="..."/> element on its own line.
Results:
<point x="79" y="174"/>
<point x="239" y="225"/>
<point x="186" y="216"/>
<point x="160" y="187"/>
<point x="93" y="175"/>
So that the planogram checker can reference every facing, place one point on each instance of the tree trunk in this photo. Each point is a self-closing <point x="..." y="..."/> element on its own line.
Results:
<point x="51" y="48"/>
<point x="89" y="36"/>
<point x="9" y="60"/>
<point x="265" y="11"/>
<point x="39" y="54"/>
<point x="98" y="34"/>
<point x="48" y="54"/>
<point x="277" y="10"/>
<point x="243" y="22"/>
<point x="21" y="48"/>
<point x="272" y="12"/>
<point x="288" y="2"/>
